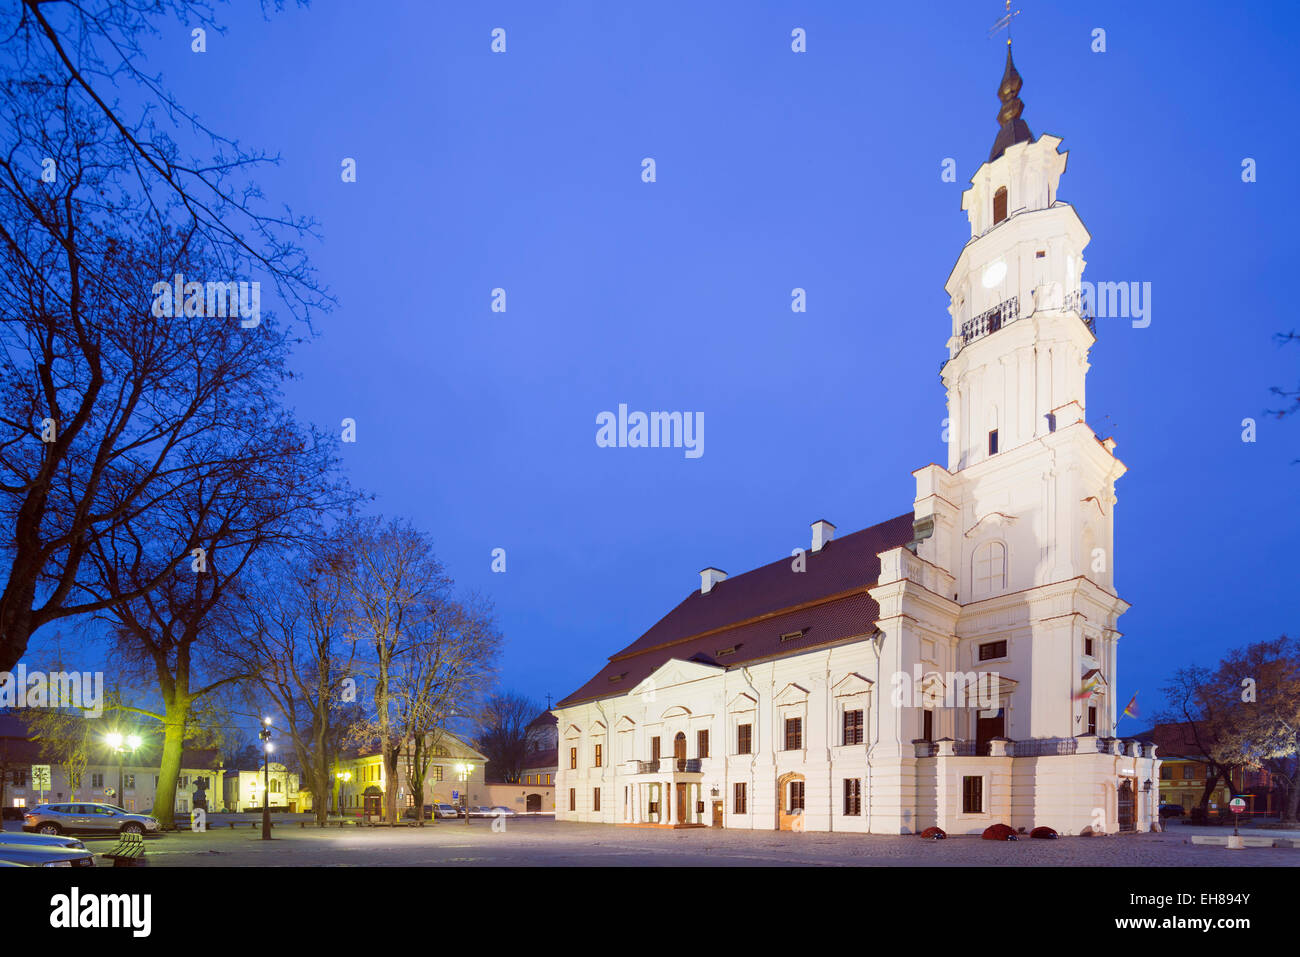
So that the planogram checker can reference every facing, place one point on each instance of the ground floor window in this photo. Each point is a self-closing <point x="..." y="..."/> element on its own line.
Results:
<point x="972" y="795"/>
<point x="796" y="797"/>
<point x="738" y="802"/>
<point x="573" y="799"/>
<point x="853" y="797"/>
<point x="595" y="799"/>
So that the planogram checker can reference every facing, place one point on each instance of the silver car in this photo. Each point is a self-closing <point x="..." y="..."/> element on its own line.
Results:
<point x="40" y="840"/>
<point x="37" y="856"/>
<point x="86" y="819"/>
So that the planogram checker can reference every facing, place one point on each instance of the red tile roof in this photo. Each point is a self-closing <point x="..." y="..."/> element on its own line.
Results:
<point x="827" y="603"/>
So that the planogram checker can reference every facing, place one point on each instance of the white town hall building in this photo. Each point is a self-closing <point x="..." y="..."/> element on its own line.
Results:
<point x="952" y="667"/>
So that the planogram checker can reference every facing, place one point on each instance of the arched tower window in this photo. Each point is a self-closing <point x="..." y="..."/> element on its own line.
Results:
<point x="999" y="205"/>
<point x="989" y="570"/>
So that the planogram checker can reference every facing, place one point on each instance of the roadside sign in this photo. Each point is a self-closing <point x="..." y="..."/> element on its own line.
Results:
<point x="1238" y="805"/>
<point x="41" y="777"/>
<point x="455" y="795"/>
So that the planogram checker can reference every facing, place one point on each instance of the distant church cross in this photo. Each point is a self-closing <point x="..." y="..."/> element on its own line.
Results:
<point x="1004" y="21"/>
<point x="548" y="702"/>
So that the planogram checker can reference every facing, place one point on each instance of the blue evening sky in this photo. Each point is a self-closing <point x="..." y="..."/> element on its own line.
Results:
<point x="775" y="170"/>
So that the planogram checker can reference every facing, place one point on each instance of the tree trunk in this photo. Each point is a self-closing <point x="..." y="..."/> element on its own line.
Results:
<point x="177" y="710"/>
<point x="1291" y="812"/>
<point x="390" y="792"/>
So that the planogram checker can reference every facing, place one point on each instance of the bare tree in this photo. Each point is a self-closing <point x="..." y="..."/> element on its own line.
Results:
<point x="98" y="403"/>
<point x="503" y="732"/>
<point x="289" y="633"/>
<point x="441" y="674"/>
<point x="399" y="593"/>
<point x="1198" y="706"/>
<point x="1260" y="689"/>
<point x="278" y="484"/>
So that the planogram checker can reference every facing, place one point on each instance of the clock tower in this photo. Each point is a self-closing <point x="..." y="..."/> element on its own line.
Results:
<point x="1021" y="517"/>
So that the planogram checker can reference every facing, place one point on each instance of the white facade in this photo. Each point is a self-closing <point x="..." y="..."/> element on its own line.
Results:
<point x="243" y="789"/>
<point x="98" y="784"/>
<point x="1013" y="555"/>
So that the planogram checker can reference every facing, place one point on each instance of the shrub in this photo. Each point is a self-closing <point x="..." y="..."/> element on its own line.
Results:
<point x="998" y="832"/>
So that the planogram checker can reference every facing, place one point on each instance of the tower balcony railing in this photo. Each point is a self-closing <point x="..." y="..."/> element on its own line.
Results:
<point x="1075" y="302"/>
<point x="1008" y="311"/>
<point x="990" y="320"/>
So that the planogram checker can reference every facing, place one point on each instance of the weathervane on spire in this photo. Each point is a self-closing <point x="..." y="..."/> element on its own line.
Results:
<point x="1004" y="21"/>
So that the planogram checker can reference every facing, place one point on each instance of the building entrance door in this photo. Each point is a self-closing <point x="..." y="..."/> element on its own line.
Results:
<point x="1126" y="822"/>
<point x="717" y="814"/>
<point x="789" y="797"/>
<point x="681" y="804"/>
<point x="986" y="729"/>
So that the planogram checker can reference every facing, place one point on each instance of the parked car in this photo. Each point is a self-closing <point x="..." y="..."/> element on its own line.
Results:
<point x="411" y="815"/>
<point x="11" y="813"/>
<point x="446" y="810"/>
<point x="503" y="811"/>
<point x="480" y="811"/>
<point x="40" y="840"/>
<point x="1172" y="810"/>
<point x="34" y="855"/>
<point x="86" y="819"/>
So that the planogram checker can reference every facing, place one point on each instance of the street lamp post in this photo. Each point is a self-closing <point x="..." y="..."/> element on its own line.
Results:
<point x="465" y="770"/>
<point x="121" y="745"/>
<point x="345" y="777"/>
<point x="267" y="748"/>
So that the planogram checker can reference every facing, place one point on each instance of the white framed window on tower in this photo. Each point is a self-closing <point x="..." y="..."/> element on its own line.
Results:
<point x="989" y="570"/>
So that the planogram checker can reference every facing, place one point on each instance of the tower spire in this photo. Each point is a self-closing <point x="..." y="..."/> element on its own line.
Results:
<point x="1012" y="129"/>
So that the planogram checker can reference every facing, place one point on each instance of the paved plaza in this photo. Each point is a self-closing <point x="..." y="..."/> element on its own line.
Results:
<point x="542" y="841"/>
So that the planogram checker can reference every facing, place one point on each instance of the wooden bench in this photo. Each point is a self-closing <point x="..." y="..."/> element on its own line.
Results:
<point x="129" y="851"/>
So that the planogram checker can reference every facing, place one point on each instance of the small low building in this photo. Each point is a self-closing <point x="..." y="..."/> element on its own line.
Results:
<point x="131" y="785"/>
<point x="454" y="769"/>
<point x="243" y="790"/>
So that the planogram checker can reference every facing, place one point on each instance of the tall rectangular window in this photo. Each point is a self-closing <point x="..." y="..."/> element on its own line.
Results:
<point x="793" y="734"/>
<point x="927" y="725"/>
<point x="852" y="727"/>
<point x="595" y="799"/>
<point x="598" y="764"/>
<point x="796" y="796"/>
<point x="702" y="744"/>
<point x="654" y="748"/>
<point x="573" y="799"/>
<point x="573" y="759"/>
<point x="853" y="797"/>
<point x="745" y="739"/>
<point x="999" y="205"/>
<point x="993" y="442"/>
<point x="972" y="795"/>
<point x="1092" y="720"/>
<point x="738" y="803"/>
